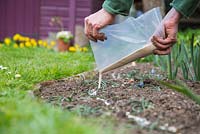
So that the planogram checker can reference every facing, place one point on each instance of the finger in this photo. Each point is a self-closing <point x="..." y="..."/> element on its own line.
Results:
<point x="162" y="52"/>
<point x="96" y="34"/>
<point x="87" y="29"/>
<point x="102" y="37"/>
<point x="161" y="46"/>
<point x="92" y="38"/>
<point x="167" y="40"/>
<point x="90" y="31"/>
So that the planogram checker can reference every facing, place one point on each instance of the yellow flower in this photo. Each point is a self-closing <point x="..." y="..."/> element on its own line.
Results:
<point x="7" y="41"/>
<point x="72" y="49"/>
<point x="16" y="37"/>
<point x="35" y="44"/>
<point x="84" y="49"/>
<point x="77" y="46"/>
<point x="40" y="42"/>
<point x="33" y="41"/>
<point x="52" y="43"/>
<point x="44" y="43"/>
<point x="15" y="45"/>
<point x="21" y="38"/>
<point x="21" y="45"/>
<point x="1" y="45"/>
<point x="27" y="39"/>
<point x="28" y="44"/>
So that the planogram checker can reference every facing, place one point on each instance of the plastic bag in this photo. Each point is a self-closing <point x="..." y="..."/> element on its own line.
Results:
<point x="126" y="41"/>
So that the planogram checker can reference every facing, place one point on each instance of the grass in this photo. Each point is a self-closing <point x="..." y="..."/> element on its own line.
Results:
<point x="20" y="112"/>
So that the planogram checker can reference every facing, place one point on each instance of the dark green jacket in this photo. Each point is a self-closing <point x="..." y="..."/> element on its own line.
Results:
<point x="185" y="7"/>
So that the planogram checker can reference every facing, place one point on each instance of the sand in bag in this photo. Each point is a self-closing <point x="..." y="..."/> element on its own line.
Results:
<point x="100" y="79"/>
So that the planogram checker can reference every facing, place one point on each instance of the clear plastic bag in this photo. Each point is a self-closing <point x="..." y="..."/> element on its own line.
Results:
<point x="126" y="41"/>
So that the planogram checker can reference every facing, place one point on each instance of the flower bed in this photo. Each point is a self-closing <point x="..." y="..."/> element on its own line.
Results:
<point x="20" y="41"/>
<point x="130" y="95"/>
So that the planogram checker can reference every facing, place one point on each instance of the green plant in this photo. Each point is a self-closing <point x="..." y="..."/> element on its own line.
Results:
<point x="84" y="110"/>
<point x="149" y="58"/>
<point x="65" y="36"/>
<point x="141" y="105"/>
<point x="195" y="54"/>
<point x="184" y="57"/>
<point x="170" y="75"/>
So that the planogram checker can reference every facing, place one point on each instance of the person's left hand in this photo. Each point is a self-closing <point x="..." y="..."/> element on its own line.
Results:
<point x="170" y="28"/>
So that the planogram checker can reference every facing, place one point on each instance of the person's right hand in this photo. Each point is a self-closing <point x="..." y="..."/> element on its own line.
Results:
<point x="170" y="25"/>
<point x="95" y="22"/>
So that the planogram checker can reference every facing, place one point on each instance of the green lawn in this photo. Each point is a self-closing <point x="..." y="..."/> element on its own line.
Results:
<point x="20" y="112"/>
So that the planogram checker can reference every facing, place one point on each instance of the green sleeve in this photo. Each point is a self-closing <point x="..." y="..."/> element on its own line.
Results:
<point x="117" y="6"/>
<point x="185" y="7"/>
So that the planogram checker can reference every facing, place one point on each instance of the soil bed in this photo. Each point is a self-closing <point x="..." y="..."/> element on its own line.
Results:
<point x="127" y="91"/>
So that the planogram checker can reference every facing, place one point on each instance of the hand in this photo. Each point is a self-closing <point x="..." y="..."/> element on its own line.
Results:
<point x="170" y="28"/>
<point x="95" y="22"/>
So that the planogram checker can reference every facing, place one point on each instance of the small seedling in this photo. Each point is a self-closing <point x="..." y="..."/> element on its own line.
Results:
<point x="92" y="92"/>
<point x="56" y="100"/>
<point x="94" y="83"/>
<point x="84" y="110"/>
<point x="132" y="74"/>
<point x="140" y="106"/>
<point x="70" y="98"/>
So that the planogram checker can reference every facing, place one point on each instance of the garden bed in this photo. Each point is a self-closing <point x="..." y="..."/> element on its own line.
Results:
<point x="130" y="95"/>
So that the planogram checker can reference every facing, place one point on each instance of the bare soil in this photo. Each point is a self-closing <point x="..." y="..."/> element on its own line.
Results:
<point x="132" y="89"/>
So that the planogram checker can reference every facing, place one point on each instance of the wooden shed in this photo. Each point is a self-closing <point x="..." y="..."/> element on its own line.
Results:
<point x="32" y="17"/>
